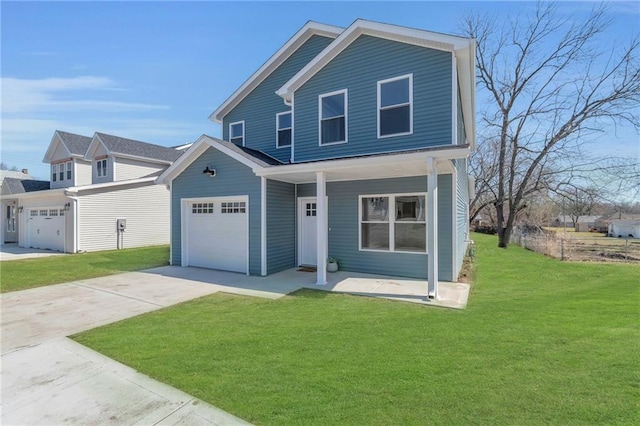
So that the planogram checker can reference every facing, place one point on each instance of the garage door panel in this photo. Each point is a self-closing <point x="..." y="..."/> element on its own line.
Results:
<point x="217" y="234"/>
<point x="46" y="228"/>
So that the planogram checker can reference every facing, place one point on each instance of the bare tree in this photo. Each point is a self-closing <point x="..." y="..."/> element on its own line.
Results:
<point x="552" y="83"/>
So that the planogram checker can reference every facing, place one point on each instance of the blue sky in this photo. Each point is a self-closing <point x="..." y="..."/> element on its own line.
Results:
<point x="154" y="71"/>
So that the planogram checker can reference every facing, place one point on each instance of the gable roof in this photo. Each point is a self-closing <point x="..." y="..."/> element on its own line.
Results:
<point x="133" y="148"/>
<point x="13" y="174"/>
<point x="249" y="157"/>
<point x="76" y="145"/>
<point x="309" y="29"/>
<point x="20" y="186"/>
<point x="463" y="49"/>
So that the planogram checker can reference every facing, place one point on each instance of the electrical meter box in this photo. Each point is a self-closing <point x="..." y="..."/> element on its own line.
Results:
<point x="121" y="224"/>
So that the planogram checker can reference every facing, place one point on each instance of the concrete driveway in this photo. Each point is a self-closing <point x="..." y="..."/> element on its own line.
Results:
<point x="49" y="379"/>
<point x="11" y="251"/>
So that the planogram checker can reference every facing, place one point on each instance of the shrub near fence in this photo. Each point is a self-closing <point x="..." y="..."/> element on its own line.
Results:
<point x="567" y="247"/>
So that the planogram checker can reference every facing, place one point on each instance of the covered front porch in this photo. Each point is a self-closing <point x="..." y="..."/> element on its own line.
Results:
<point x="419" y="169"/>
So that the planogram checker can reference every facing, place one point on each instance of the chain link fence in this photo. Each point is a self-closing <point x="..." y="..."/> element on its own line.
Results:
<point x="567" y="247"/>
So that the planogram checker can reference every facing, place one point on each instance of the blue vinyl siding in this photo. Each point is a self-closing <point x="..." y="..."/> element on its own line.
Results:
<point x="232" y="178"/>
<point x="281" y="226"/>
<point x="260" y="107"/>
<point x="344" y="224"/>
<point x="462" y="212"/>
<point x="358" y="68"/>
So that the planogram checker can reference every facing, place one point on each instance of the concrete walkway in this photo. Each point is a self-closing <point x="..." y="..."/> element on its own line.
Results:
<point x="49" y="379"/>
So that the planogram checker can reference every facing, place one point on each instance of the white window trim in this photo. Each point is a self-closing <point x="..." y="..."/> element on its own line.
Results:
<point x="346" y="117"/>
<point x="104" y="168"/>
<point x="284" y="128"/>
<point x="378" y="109"/>
<point x="244" y="134"/>
<point x="54" y="173"/>
<point x="392" y="222"/>
<point x="62" y="171"/>
<point x="69" y="171"/>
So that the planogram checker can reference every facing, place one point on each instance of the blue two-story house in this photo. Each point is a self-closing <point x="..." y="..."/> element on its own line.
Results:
<point x="348" y="142"/>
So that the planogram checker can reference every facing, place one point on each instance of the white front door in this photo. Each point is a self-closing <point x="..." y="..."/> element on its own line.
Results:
<point x="307" y="231"/>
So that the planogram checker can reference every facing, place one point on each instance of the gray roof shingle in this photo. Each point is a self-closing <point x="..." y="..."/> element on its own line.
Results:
<point x="77" y="144"/>
<point x="118" y="145"/>
<point x="20" y="186"/>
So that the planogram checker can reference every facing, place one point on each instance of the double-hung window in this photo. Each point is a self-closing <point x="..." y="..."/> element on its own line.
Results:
<point x="333" y="117"/>
<point x="393" y="223"/>
<point x="69" y="170"/>
<point x="395" y="106"/>
<point x="236" y="133"/>
<point x="101" y="168"/>
<point x="54" y="172"/>
<point x="283" y="129"/>
<point x="61" y="168"/>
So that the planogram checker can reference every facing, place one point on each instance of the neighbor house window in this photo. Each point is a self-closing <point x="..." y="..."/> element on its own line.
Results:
<point x="393" y="223"/>
<point x="61" y="168"/>
<point x="236" y="133"/>
<point x="69" y="170"/>
<point x="395" y="106"/>
<point x="101" y="167"/>
<point x="333" y="117"/>
<point x="283" y="129"/>
<point x="54" y="172"/>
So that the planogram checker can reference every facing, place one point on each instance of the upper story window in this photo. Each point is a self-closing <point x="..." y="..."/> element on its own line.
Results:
<point x="54" y="172"/>
<point x="333" y="117"/>
<point x="61" y="167"/>
<point x="101" y="166"/>
<point x="69" y="170"/>
<point x="395" y="106"/>
<point x="283" y="129"/>
<point x="236" y="133"/>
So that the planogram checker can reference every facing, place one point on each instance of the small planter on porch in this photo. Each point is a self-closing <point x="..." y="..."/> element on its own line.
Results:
<point x="332" y="264"/>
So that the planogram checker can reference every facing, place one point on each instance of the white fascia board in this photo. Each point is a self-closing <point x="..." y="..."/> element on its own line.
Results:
<point x="309" y="29"/>
<point x="109" y="185"/>
<point x="360" y="27"/>
<point x="195" y="150"/>
<point x="198" y="148"/>
<point x="55" y="141"/>
<point x="36" y="194"/>
<point x="373" y="161"/>
<point x="95" y="141"/>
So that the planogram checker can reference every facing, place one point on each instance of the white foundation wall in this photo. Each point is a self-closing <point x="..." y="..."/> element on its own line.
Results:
<point x="144" y="206"/>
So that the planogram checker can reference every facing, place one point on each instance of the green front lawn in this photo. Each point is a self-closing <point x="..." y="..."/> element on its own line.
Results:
<point x="28" y="273"/>
<point x="541" y="342"/>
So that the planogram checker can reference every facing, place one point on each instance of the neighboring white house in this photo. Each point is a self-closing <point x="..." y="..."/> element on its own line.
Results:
<point x="101" y="196"/>
<point x="16" y="182"/>
<point x="624" y="228"/>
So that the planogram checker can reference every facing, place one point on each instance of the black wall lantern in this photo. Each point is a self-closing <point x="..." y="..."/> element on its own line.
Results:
<point x="209" y="171"/>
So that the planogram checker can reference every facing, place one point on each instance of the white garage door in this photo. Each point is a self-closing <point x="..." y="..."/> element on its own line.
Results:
<point x="46" y="228"/>
<point x="216" y="234"/>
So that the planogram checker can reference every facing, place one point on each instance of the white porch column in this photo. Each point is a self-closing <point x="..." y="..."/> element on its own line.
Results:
<point x="432" y="228"/>
<point x="321" y="221"/>
<point x="263" y="226"/>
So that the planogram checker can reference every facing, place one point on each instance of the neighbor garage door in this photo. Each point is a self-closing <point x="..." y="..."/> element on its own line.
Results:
<point x="46" y="228"/>
<point x="216" y="234"/>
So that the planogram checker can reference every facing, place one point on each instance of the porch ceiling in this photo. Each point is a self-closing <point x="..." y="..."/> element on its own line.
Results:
<point x="374" y="167"/>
